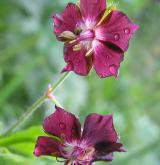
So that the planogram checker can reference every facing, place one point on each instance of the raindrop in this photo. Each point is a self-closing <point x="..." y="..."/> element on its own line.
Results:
<point x="127" y="31"/>
<point x="113" y="69"/>
<point x="116" y="37"/>
<point x="62" y="125"/>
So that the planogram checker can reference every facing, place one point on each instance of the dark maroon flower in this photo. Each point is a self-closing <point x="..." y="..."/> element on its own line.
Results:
<point x="96" y="142"/>
<point x="94" y="36"/>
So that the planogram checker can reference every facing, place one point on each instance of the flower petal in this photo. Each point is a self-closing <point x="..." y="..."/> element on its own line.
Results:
<point x="118" y="30"/>
<point x="47" y="146"/>
<point x="104" y="151"/>
<point x="98" y="129"/>
<point x="107" y="157"/>
<point x="68" y="20"/>
<point x="63" y="125"/>
<point x="106" y="59"/>
<point x="76" y="60"/>
<point x="92" y="9"/>
<point x="106" y="148"/>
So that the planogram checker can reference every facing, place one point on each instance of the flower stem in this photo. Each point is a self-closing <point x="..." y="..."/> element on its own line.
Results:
<point x="35" y="106"/>
<point x="55" y="101"/>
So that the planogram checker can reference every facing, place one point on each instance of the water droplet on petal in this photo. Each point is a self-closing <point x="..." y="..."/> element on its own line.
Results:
<point x="116" y="37"/>
<point x="107" y="57"/>
<point x="62" y="125"/>
<point x="127" y="31"/>
<point x="113" y="69"/>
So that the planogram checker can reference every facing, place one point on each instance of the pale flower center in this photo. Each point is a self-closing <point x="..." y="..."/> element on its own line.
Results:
<point x="78" y="153"/>
<point x="87" y="35"/>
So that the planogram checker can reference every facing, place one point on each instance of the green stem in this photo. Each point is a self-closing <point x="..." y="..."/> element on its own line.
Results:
<point x="59" y="82"/>
<point x="56" y="102"/>
<point x="35" y="106"/>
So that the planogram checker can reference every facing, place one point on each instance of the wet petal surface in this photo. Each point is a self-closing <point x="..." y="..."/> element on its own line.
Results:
<point x="92" y="10"/>
<point x="104" y="151"/>
<point x="76" y="60"/>
<point x="118" y="30"/>
<point x="63" y="125"/>
<point x="106" y="59"/>
<point x="99" y="128"/>
<point x="47" y="146"/>
<point x="68" y="20"/>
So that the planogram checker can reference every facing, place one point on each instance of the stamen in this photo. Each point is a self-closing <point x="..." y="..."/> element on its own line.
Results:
<point x="72" y="42"/>
<point x="77" y="47"/>
<point x="89" y="52"/>
<point x="67" y="36"/>
<point x="106" y="13"/>
<point x="78" y="3"/>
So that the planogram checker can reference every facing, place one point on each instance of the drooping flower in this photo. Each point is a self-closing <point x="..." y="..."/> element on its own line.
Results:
<point x="96" y="142"/>
<point x="94" y="36"/>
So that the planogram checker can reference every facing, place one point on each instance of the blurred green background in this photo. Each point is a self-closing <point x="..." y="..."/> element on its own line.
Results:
<point x="31" y="58"/>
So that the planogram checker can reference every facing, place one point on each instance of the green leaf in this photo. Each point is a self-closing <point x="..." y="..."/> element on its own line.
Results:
<point x="22" y="142"/>
<point x="14" y="159"/>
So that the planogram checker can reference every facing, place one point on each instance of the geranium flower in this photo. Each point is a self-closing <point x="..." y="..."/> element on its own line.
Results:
<point x="94" y="36"/>
<point x="96" y="142"/>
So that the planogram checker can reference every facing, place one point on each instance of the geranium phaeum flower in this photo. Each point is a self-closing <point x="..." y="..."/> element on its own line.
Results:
<point x="96" y="142"/>
<point x="94" y="36"/>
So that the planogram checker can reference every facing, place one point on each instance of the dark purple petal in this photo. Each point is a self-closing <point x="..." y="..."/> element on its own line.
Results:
<point x="117" y="30"/>
<point x="92" y="9"/>
<point x="104" y="151"/>
<point x="98" y="129"/>
<point x="106" y="59"/>
<point x="106" y="148"/>
<point x="107" y="157"/>
<point x="99" y="133"/>
<point x="47" y="146"/>
<point x="76" y="60"/>
<point x="68" y="20"/>
<point x="63" y="125"/>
